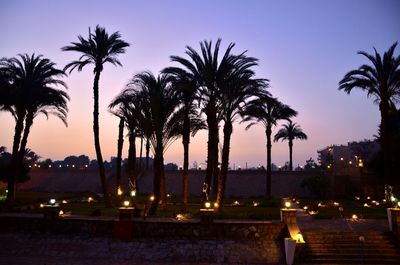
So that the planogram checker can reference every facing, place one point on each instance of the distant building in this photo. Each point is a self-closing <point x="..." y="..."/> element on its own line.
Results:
<point x="342" y="159"/>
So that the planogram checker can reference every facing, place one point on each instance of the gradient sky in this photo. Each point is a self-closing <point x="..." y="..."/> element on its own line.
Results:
<point x="304" y="48"/>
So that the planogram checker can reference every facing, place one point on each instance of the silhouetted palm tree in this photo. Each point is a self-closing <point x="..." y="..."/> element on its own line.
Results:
<point x="191" y="122"/>
<point x="380" y="80"/>
<point x="125" y="106"/>
<point x="290" y="132"/>
<point x="158" y="106"/>
<point x="30" y="82"/>
<point x="236" y="89"/>
<point x="267" y="111"/>
<point x="98" y="49"/>
<point x="208" y="70"/>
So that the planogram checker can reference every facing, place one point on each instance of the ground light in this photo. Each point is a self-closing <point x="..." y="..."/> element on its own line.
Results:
<point x="299" y="237"/>
<point x="126" y="203"/>
<point x="207" y="204"/>
<point x="119" y="191"/>
<point x="287" y="204"/>
<point x="354" y="217"/>
<point x="52" y="201"/>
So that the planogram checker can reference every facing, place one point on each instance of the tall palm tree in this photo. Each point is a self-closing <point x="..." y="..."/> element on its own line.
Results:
<point x="381" y="80"/>
<point x="31" y="81"/>
<point x="208" y="70"/>
<point x="98" y="49"/>
<point x="191" y="121"/>
<point x="236" y="89"/>
<point x="268" y="111"/>
<point x="159" y="106"/>
<point x="290" y="132"/>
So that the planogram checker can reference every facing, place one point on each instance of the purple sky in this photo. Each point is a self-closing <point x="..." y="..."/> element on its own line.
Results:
<point x="304" y="48"/>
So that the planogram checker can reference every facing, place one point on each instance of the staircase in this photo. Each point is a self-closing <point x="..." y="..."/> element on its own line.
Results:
<point x="349" y="248"/>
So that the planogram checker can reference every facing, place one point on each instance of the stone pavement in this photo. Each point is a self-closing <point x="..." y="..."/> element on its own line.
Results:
<point x="50" y="249"/>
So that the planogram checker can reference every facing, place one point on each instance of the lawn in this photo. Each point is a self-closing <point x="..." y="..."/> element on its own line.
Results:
<point x="332" y="209"/>
<point x="88" y="204"/>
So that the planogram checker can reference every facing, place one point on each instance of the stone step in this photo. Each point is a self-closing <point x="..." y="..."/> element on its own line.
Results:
<point x="386" y="251"/>
<point x="350" y="261"/>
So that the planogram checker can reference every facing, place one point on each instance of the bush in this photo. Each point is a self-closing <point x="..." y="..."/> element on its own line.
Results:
<point x="318" y="186"/>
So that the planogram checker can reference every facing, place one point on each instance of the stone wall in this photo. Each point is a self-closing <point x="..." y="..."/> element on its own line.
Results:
<point x="258" y="242"/>
<point x="244" y="183"/>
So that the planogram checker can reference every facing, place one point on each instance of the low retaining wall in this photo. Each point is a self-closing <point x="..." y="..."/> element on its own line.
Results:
<point x="183" y="241"/>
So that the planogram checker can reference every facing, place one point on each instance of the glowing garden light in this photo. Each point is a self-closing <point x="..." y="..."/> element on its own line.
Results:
<point x="305" y="207"/>
<point x="354" y="217"/>
<point x="179" y="217"/>
<point x="133" y="193"/>
<point x="119" y="191"/>
<point x="393" y="199"/>
<point x="287" y="204"/>
<point x="41" y="205"/>
<point x="207" y="204"/>
<point x="299" y="237"/>
<point x="313" y="212"/>
<point x="52" y="201"/>
<point x="152" y="198"/>
<point x="61" y="213"/>
<point x="366" y="205"/>
<point x="64" y="202"/>
<point x="216" y="205"/>
<point x="255" y="204"/>
<point x="336" y="204"/>
<point x="90" y="199"/>
<point x="126" y="203"/>
<point x="236" y="203"/>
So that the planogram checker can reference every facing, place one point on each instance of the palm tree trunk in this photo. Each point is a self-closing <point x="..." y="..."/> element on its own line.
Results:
<point x="212" y="148"/>
<point x="185" y="172"/>
<point x="147" y="153"/>
<point x="384" y="109"/>
<point x="12" y="179"/>
<point x="268" y="187"/>
<point x="224" y="162"/>
<point x="132" y="159"/>
<point x="290" y="155"/>
<point x="24" y="141"/>
<point x="119" y="151"/>
<point x="141" y="153"/>
<point x="158" y="173"/>
<point x="96" y="133"/>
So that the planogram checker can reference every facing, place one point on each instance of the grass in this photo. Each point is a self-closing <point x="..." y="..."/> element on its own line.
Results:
<point x="256" y="208"/>
<point x="346" y="208"/>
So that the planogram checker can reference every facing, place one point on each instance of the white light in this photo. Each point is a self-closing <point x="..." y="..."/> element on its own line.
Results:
<point x="152" y="198"/>
<point x="133" y="193"/>
<point x="287" y="204"/>
<point x="126" y="203"/>
<point x="90" y="199"/>
<point x="393" y="199"/>
<point x="207" y="204"/>
<point x="52" y="201"/>
<point x="354" y="217"/>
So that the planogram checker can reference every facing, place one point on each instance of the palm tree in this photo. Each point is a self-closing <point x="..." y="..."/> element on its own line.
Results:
<point x="207" y="71"/>
<point x="267" y="111"/>
<point x="98" y="49"/>
<point x="380" y="80"/>
<point x="236" y="89"/>
<point x="158" y="106"/>
<point x="126" y="106"/>
<point x="290" y="132"/>
<point x="30" y="90"/>
<point x="191" y="121"/>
